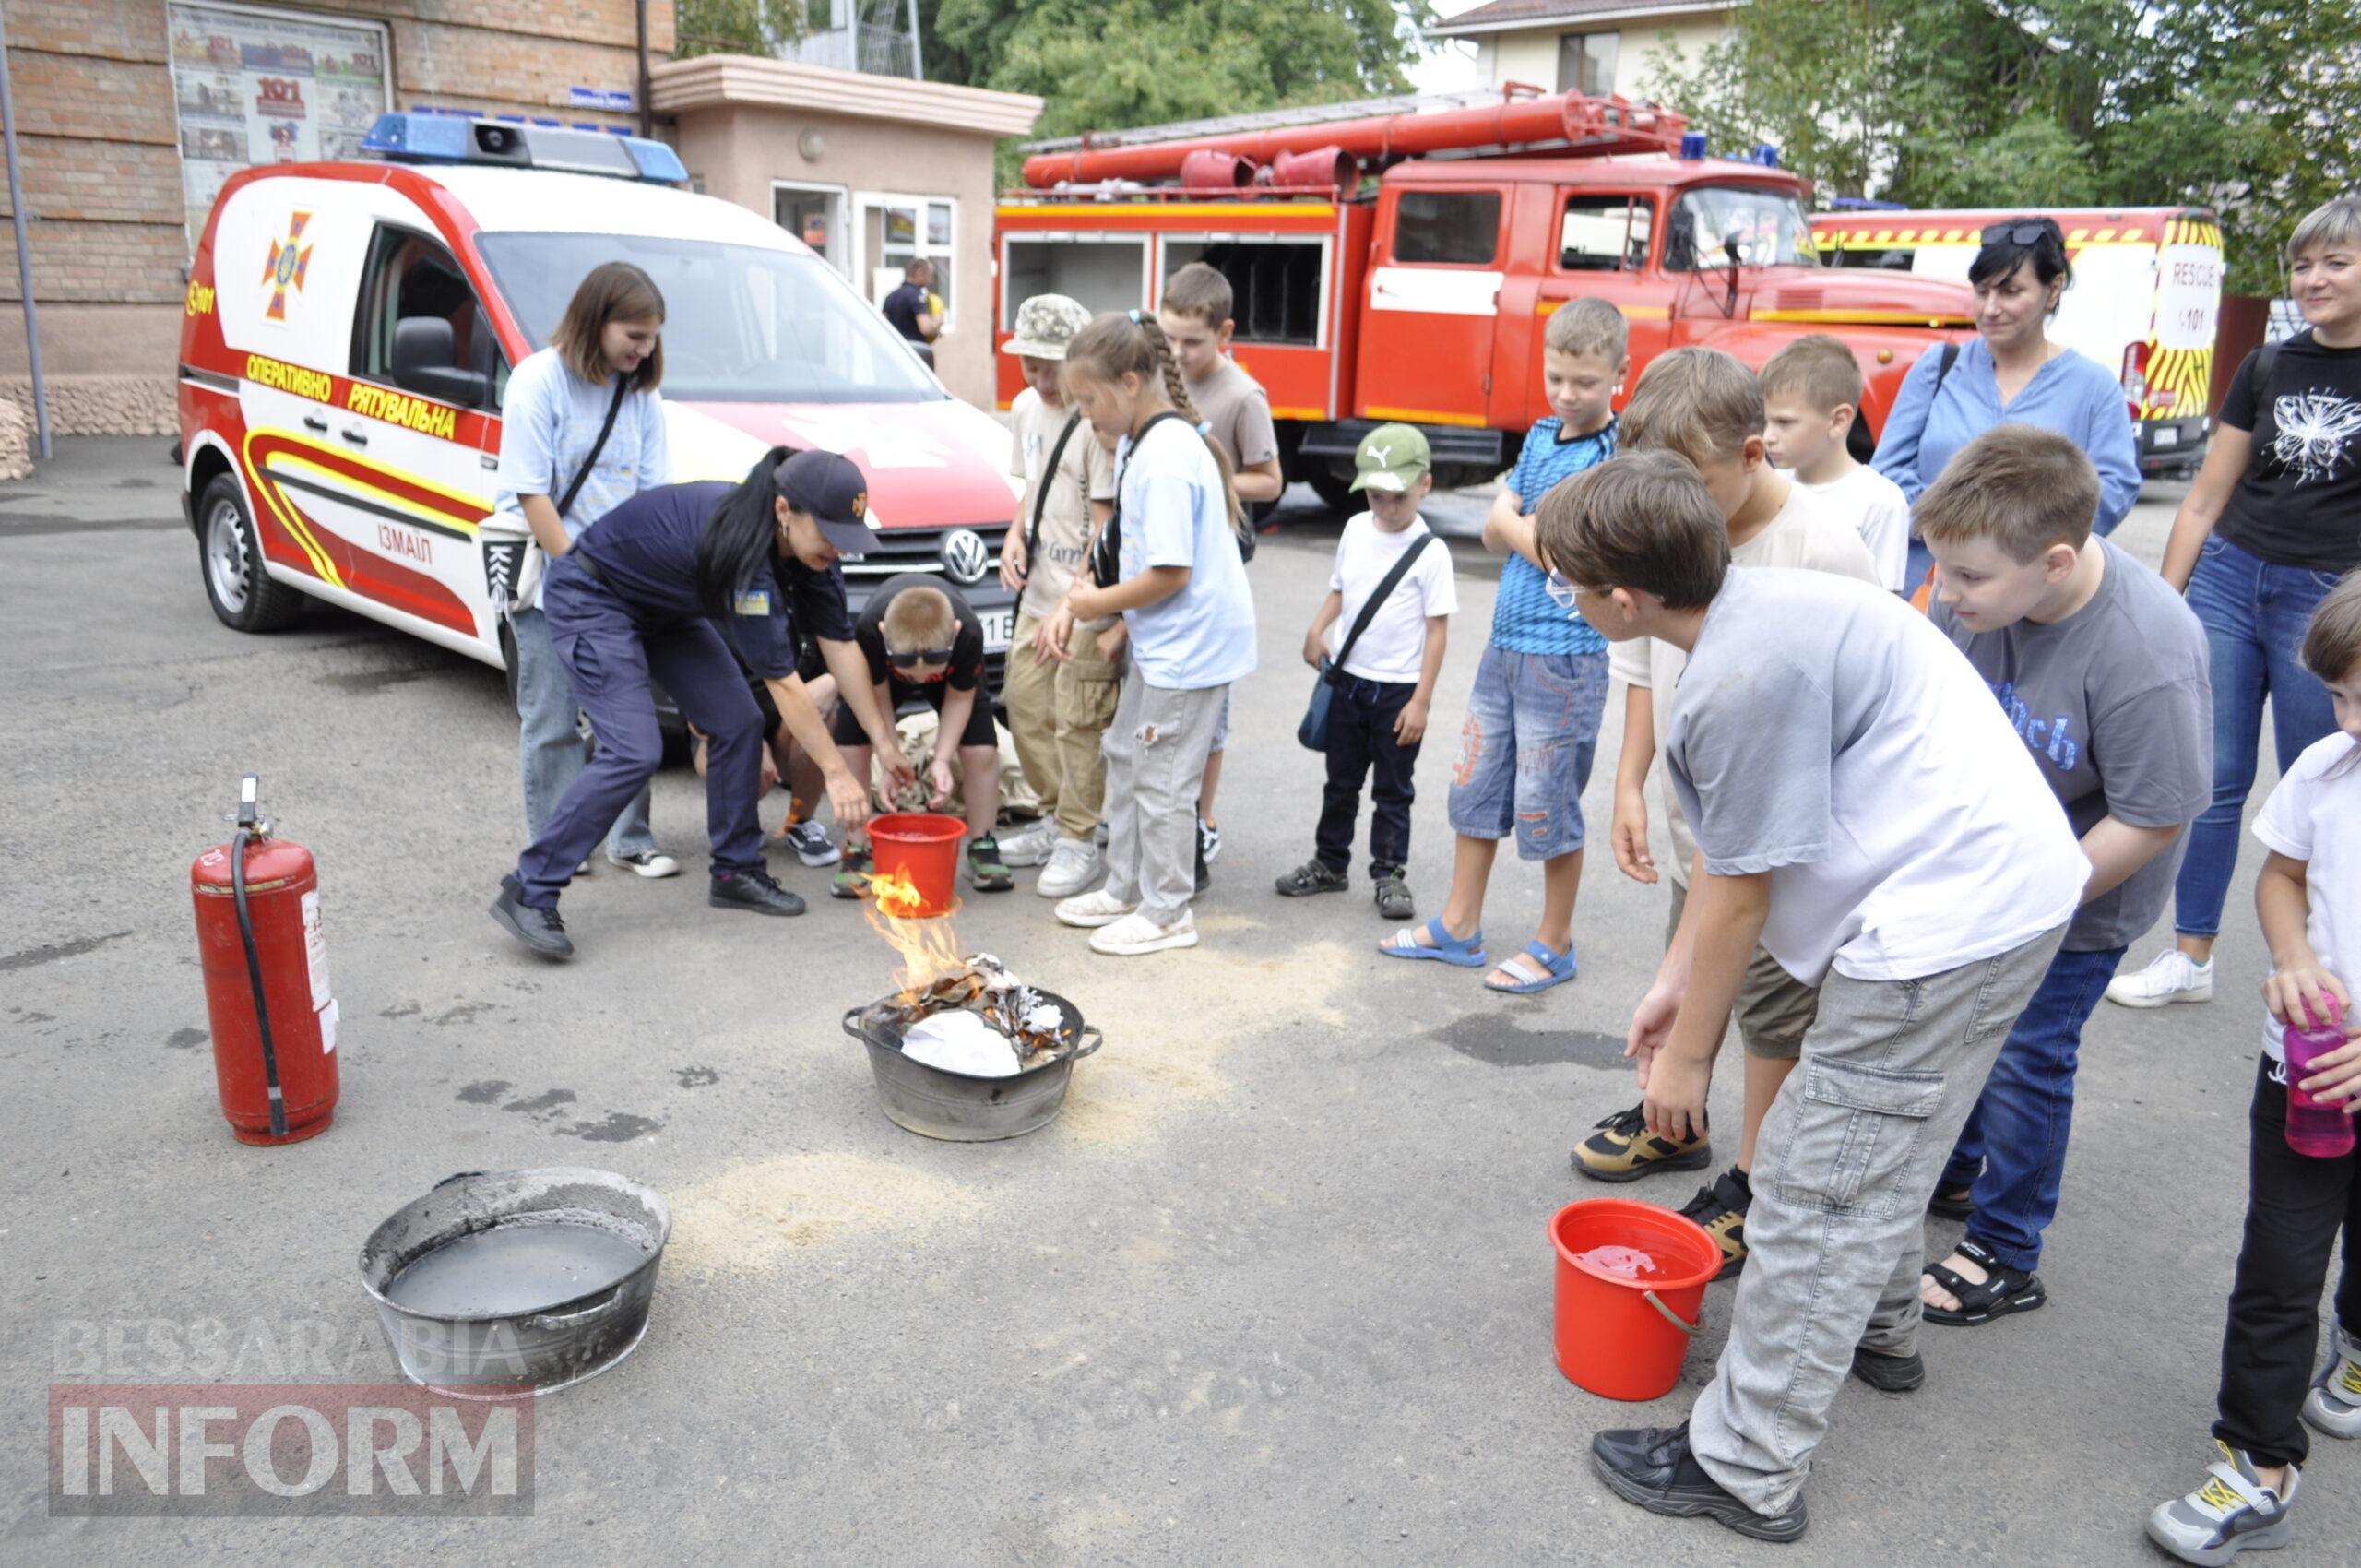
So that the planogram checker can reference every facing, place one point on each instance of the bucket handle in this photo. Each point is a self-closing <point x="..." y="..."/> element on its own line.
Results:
<point x="1091" y="1040"/>
<point x="1670" y="1316"/>
<point x="850" y="1014"/>
<point x="590" y="1314"/>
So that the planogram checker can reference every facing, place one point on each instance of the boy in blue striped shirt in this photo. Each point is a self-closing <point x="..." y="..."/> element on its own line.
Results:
<point x="1532" y="726"/>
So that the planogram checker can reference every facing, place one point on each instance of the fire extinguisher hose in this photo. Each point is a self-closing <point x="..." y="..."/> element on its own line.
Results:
<point x="253" y="977"/>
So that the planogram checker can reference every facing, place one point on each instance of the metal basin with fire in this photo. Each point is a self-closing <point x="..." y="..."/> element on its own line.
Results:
<point x="936" y="1102"/>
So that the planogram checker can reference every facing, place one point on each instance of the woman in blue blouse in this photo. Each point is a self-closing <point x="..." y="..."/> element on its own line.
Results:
<point x="2013" y="374"/>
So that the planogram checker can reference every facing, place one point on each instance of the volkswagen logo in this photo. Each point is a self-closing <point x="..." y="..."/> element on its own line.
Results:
<point x="966" y="557"/>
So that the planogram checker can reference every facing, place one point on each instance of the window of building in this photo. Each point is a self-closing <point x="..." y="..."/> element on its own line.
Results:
<point x="1604" y="233"/>
<point x="814" y="214"/>
<point x="269" y="87"/>
<point x="1448" y="228"/>
<point x="1586" y="62"/>
<point x="408" y="277"/>
<point x="897" y="231"/>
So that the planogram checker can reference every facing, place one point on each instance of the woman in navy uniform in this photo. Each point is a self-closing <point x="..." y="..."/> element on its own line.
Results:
<point x="629" y="602"/>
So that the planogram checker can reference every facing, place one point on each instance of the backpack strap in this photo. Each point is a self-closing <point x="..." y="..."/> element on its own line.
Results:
<point x="1943" y="363"/>
<point x="1041" y="494"/>
<point x="623" y="388"/>
<point x="2266" y="415"/>
<point x="1377" y="598"/>
<point x="1106" y="554"/>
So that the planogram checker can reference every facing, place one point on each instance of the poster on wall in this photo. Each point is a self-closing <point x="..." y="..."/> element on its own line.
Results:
<point x="269" y="87"/>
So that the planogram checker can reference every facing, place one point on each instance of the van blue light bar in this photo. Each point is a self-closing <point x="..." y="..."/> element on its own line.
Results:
<point x="424" y="136"/>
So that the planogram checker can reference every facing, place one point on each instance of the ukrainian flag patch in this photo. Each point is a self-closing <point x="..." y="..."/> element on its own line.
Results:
<point x="753" y="601"/>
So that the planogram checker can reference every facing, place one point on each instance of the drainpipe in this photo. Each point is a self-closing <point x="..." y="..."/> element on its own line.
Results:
<point x="24" y="248"/>
<point x="647" y="116"/>
<point x="917" y="58"/>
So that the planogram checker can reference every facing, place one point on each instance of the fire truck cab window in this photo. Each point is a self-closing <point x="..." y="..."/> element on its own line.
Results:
<point x="1604" y="234"/>
<point x="1767" y="226"/>
<point x="408" y="277"/>
<point x="1447" y="228"/>
<point x="1273" y="286"/>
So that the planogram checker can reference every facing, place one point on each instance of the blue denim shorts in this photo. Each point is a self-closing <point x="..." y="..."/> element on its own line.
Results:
<point x="1526" y="748"/>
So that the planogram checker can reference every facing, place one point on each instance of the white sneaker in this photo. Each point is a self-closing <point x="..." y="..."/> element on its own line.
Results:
<point x="1209" y="841"/>
<point x="650" y="863"/>
<point x="1135" y="935"/>
<point x="1093" y="909"/>
<point x="1031" y="844"/>
<point x="2334" y="1403"/>
<point x="811" y="844"/>
<point x="2174" y="977"/>
<point x="1073" y="865"/>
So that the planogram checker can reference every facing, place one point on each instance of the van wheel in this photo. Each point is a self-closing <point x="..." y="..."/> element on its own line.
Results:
<point x="244" y="597"/>
<point x="1331" y="487"/>
<point x="508" y="661"/>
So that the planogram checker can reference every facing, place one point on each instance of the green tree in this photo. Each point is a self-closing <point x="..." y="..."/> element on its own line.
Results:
<point x="737" y="26"/>
<point x="2246" y="106"/>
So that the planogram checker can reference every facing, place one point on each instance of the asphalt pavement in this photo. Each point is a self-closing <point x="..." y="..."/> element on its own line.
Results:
<point x="1274" y="1290"/>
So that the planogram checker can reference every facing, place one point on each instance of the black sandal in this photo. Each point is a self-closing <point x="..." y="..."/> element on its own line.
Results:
<point x="2004" y="1291"/>
<point x="1956" y="1204"/>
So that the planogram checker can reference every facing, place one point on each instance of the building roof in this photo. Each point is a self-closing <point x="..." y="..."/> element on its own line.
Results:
<point x="1509" y="16"/>
<point x="712" y="81"/>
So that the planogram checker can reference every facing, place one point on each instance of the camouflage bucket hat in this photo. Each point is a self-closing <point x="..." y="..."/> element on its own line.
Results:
<point x="1045" y="325"/>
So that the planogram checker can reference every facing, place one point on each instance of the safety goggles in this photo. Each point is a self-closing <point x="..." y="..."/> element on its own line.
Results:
<point x="1563" y="593"/>
<point x="917" y="656"/>
<point x="2020" y="233"/>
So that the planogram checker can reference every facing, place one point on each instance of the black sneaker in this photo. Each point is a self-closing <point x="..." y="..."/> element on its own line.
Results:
<point x="1721" y="1209"/>
<point x="1205" y="873"/>
<point x="752" y="890"/>
<point x="1889" y="1374"/>
<point x="852" y="873"/>
<point x="1309" y="878"/>
<point x="1392" y="896"/>
<point x="985" y="868"/>
<point x="1620" y="1148"/>
<point x="538" y="928"/>
<point x="1653" y="1467"/>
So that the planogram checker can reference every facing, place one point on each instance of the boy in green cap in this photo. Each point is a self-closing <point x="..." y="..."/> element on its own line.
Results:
<point x="1391" y="594"/>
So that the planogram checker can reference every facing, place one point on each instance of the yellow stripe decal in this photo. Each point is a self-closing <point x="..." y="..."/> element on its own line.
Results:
<point x="285" y="512"/>
<point x="1300" y="413"/>
<point x="391" y="498"/>
<point x="1630" y="312"/>
<point x="1864" y="317"/>
<point x="1424" y="416"/>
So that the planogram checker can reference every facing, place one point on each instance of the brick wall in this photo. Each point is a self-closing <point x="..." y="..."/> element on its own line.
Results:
<point x="101" y="140"/>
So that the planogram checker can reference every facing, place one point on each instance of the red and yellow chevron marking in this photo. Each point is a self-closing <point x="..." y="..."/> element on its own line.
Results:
<point x="2180" y="383"/>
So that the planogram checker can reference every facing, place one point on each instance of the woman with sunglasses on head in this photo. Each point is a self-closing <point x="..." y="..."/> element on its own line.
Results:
<point x="2013" y="373"/>
<point x="925" y="645"/>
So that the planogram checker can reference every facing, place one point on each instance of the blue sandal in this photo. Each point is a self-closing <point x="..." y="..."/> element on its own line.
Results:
<point x="1447" y="948"/>
<point x="1557" y="970"/>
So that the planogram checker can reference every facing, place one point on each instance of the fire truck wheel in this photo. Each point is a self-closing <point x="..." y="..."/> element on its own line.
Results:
<point x="1333" y="488"/>
<point x="228" y="554"/>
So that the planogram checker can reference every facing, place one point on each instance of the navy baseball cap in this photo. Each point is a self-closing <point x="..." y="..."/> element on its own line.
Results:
<point x="831" y="488"/>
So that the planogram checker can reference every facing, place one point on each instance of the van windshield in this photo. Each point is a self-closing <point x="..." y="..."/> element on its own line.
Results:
<point x="743" y="325"/>
<point x="1768" y="226"/>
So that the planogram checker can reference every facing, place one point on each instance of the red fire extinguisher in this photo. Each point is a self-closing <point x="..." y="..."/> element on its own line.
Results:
<point x="265" y="981"/>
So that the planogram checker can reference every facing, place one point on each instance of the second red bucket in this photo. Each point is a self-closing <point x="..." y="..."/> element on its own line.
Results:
<point x="922" y="848"/>
<point x="1632" y="1284"/>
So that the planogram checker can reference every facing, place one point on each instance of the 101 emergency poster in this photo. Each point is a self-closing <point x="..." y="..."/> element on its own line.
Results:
<point x="269" y="87"/>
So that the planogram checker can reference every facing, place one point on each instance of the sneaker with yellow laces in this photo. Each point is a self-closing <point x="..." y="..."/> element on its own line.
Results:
<point x="2233" y="1512"/>
<point x="2334" y="1403"/>
<point x="1620" y="1148"/>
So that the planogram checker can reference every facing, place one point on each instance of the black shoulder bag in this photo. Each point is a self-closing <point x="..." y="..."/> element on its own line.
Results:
<point x="1041" y="494"/>
<point x="504" y="560"/>
<point x="1312" y="733"/>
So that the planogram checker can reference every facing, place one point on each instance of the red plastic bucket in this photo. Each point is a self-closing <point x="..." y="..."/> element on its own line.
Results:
<point x="1619" y="1337"/>
<point x="924" y="848"/>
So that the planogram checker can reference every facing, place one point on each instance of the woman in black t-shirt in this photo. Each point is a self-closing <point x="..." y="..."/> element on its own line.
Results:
<point x="2271" y="523"/>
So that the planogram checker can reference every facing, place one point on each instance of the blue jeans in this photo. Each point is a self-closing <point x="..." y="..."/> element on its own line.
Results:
<point x="1525" y="750"/>
<point x="2016" y="1136"/>
<point x="2254" y="615"/>
<point x="549" y="743"/>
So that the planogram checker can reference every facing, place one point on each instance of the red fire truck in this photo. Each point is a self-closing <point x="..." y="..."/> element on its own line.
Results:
<point x="1396" y="260"/>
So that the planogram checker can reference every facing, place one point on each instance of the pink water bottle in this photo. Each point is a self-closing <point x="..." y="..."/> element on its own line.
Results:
<point x="2322" y="1131"/>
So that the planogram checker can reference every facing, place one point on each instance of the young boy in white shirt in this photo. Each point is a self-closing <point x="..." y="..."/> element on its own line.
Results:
<point x="1865" y="812"/>
<point x="1811" y="392"/>
<point x="1383" y="683"/>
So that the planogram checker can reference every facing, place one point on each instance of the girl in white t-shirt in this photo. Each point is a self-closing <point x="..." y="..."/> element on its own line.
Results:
<point x="1179" y="584"/>
<point x="2308" y="897"/>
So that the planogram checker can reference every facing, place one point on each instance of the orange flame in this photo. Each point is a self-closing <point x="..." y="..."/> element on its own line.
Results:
<point x="927" y="945"/>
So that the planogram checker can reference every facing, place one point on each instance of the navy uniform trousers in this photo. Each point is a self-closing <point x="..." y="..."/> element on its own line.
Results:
<point x="613" y="659"/>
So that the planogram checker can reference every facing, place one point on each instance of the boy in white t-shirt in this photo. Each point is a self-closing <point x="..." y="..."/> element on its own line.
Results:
<point x="1864" y="811"/>
<point x="1383" y="685"/>
<point x="1811" y="392"/>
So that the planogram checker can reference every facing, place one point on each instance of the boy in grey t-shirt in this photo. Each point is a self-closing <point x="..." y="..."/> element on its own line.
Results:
<point x="1862" y="809"/>
<point x="2101" y="670"/>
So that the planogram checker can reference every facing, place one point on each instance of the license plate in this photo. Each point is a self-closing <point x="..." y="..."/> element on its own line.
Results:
<point x="2168" y="436"/>
<point x="999" y="628"/>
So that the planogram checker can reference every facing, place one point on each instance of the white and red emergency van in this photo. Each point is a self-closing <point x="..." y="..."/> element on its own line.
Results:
<point x="2146" y="299"/>
<point x="327" y="454"/>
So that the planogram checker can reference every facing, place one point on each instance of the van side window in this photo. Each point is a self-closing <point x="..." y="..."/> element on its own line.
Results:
<point x="408" y="275"/>
<point x="1447" y="228"/>
<point x="1604" y="233"/>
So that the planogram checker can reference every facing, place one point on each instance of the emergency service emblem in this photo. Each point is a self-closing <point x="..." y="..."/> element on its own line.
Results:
<point x="284" y="271"/>
<point x="966" y="557"/>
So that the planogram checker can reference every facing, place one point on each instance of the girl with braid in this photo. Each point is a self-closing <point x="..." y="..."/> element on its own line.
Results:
<point x="1181" y="587"/>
